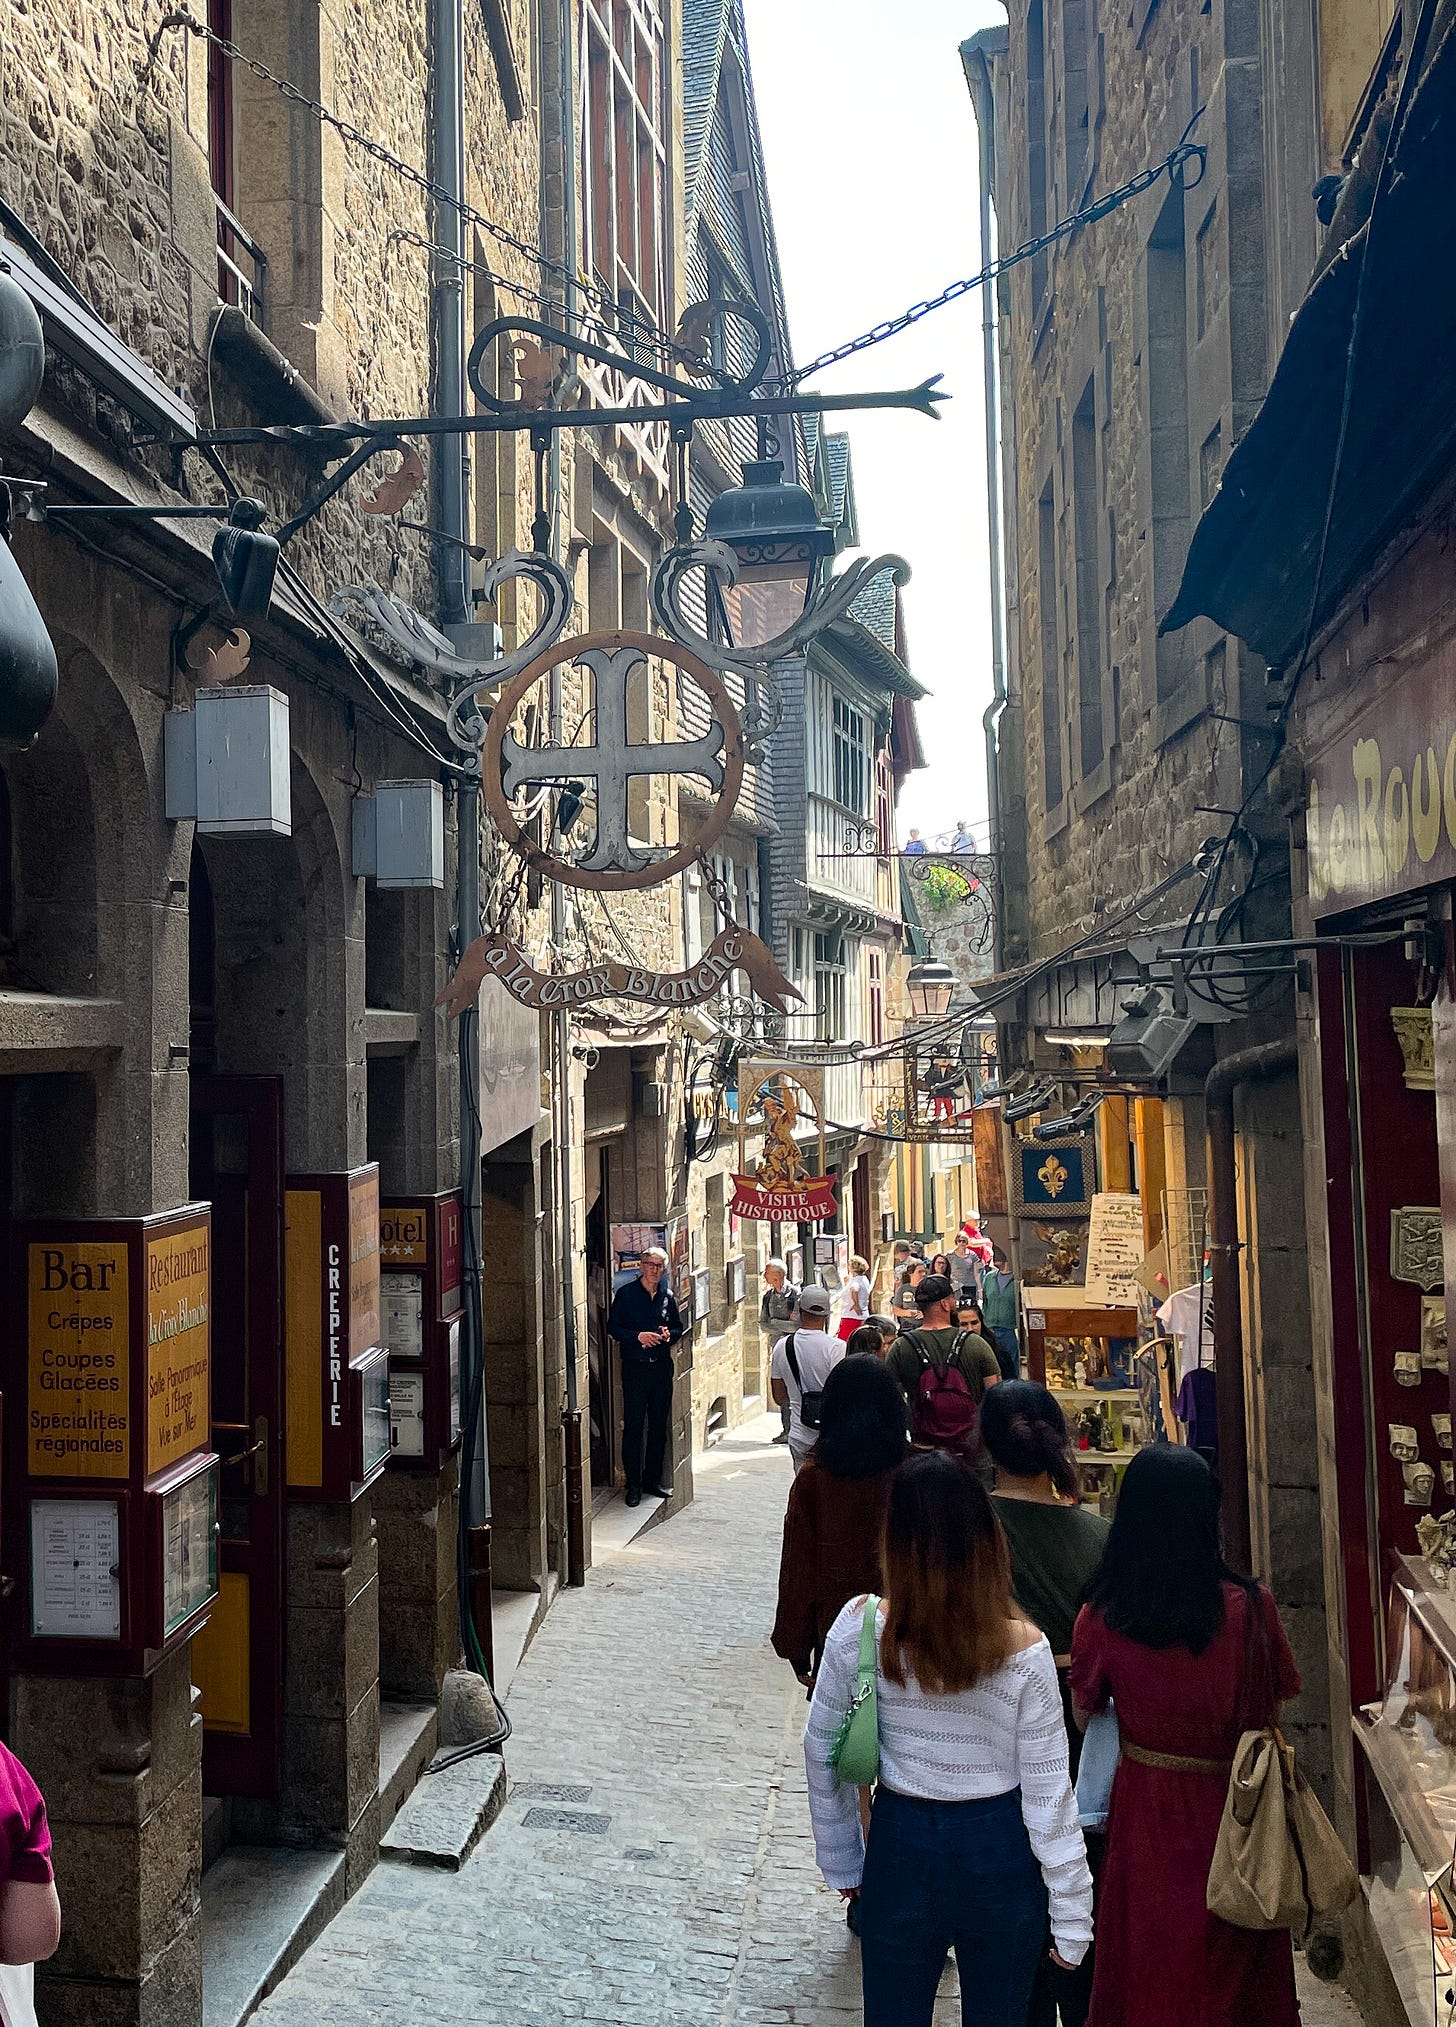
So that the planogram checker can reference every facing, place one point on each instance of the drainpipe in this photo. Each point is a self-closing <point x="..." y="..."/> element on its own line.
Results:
<point x="976" y="53"/>
<point x="1248" y="1066"/>
<point x="571" y="1414"/>
<point x="449" y="168"/>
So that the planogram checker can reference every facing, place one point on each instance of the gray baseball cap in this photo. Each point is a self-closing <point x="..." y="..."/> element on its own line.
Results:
<point x="815" y="1301"/>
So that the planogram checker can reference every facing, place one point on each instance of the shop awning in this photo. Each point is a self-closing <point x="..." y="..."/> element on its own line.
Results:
<point x="1253" y="561"/>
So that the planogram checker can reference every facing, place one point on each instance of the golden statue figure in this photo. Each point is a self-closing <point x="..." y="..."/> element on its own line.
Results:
<point x="781" y="1165"/>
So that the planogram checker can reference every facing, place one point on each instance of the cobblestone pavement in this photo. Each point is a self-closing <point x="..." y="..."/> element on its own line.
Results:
<point x="653" y="1866"/>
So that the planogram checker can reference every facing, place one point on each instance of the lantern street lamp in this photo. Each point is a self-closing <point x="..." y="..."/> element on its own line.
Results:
<point x="931" y="986"/>
<point x="774" y="530"/>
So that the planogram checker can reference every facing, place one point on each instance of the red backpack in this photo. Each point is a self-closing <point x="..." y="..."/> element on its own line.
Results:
<point x="943" y="1414"/>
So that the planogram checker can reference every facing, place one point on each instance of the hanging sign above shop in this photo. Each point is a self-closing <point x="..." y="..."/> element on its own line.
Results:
<point x="499" y="957"/>
<point x="615" y="860"/>
<point x="781" y="1188"/>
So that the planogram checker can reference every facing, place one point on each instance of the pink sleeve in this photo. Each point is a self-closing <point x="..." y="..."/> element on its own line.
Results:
<point x="25" y="1831"/>
<point x="1087" y="1677"/>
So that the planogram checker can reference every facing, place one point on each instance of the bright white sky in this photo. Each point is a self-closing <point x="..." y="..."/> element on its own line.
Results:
<point x="872" y="169"/>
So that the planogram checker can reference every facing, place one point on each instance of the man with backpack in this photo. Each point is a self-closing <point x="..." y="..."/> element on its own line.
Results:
<point x="801" y="1363"/>
<point x="943" y="1373"/>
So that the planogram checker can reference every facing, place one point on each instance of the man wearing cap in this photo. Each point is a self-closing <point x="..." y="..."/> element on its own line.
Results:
<point x="801" y="1363"/>
<point x="646" y="1323"/>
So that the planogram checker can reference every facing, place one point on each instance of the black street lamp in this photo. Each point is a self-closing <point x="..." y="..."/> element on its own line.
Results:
<point x="28" y="670"/>
<point x="931" y="986"/>
<point x="774" y="530"/>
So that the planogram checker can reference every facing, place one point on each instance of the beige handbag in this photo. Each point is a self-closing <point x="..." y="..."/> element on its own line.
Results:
<point x="1278" y="1862"/>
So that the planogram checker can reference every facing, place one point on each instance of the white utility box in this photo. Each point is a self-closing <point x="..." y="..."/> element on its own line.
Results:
<point x="227" y="763"/>
<point x="399" y="834"/>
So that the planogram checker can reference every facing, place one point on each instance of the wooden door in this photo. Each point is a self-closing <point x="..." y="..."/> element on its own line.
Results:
<point x="237" y="1660"/>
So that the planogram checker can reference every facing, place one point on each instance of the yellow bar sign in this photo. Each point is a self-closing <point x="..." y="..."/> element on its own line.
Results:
<point x="78" y="1422"/>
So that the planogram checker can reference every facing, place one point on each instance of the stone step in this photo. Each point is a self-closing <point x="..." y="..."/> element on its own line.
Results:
<point x="409" y="1736"/>
<point x="449" y="1812"/>
<point x="261" y="1908"/>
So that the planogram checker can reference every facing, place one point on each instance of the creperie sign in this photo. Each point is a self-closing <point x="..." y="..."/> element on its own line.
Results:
<point x="334" y="1312"/>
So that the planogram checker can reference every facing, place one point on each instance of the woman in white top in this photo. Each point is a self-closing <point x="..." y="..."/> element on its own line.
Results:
<point x="973" y="1837"/>
<point x="854" y="1306"/>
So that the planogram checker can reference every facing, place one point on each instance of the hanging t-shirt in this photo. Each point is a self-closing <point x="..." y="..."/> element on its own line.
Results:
<point x="1197" y="1410"/>
<point x="1186" y="1314"/>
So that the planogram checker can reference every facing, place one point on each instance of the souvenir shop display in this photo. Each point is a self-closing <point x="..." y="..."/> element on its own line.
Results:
<point x="1408" y="1739"/>
<point x="1087" y="1354"/>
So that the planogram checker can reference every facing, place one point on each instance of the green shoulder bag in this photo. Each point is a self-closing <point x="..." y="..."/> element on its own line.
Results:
<point x="855" y="1754"/>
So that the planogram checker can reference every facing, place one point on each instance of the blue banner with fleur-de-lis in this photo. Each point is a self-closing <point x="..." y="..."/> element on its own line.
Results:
<point x="1053" y="1178"/>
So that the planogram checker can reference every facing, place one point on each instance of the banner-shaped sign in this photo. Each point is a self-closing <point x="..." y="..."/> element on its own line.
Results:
<point x="781" y="1188"/>
<point x="499" y="957"/>
<point x="813" y="1203"/>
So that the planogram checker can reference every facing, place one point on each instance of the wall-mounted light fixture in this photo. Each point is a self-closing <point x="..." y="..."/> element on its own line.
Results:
<point x="399" y="834"/>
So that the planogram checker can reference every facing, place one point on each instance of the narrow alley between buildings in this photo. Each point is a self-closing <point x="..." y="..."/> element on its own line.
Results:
<point x="653" y="1865"/>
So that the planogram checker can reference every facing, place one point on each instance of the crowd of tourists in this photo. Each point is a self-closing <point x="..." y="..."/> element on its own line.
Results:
<point x="1023" y="1717"/>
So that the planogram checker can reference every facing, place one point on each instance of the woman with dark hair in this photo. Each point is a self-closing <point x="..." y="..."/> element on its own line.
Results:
<point x="837" y="1504"/>
<point x="867" y="1341"/>
<point x="1056" y="1542"/>
<point x="1056" y="1546"/>
<point x="1193" y="1655"/>
<point x="940" y="1264"/>
<point x="971" y="1317"/>
<point x="973" y="1835"/>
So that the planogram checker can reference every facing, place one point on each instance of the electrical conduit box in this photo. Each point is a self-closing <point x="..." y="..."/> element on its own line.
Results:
<point x="336" y="1367"/>
<point x="111" y="1480"/>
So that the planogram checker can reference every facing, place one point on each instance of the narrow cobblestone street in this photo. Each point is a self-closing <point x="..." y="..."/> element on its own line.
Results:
<point x="653" y="1866"/>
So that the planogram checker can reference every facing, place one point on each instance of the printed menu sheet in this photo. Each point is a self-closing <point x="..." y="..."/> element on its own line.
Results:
<point x="75" y="1580"/>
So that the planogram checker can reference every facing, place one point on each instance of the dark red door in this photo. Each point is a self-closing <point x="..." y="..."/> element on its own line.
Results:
<point x="237" y="1660"/>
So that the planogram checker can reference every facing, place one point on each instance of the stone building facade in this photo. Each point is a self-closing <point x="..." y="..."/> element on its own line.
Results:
<point x="1131" y="355"/>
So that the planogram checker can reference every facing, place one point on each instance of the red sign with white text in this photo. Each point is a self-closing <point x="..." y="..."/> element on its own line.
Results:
<point x="810" y="1202"/>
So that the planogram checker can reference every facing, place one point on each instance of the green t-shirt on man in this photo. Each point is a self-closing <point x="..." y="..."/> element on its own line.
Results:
<point x="976" y="1358"/>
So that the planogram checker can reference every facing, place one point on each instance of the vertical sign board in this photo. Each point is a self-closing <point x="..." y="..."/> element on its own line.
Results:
<point x="421" y="1255"/>
<point x="110" y="1466"/>
<point x="336" y="1366"/>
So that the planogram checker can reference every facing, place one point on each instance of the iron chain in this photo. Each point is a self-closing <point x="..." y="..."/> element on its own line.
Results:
<point x="1173" y="166"/>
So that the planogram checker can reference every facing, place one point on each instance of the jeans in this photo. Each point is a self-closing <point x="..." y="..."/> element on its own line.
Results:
<point x="943" y="1875"/>
<point x="1008" y="1351"/>
<point x="646" y="1400"/>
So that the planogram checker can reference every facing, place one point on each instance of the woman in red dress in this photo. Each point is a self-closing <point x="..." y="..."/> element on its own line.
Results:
<point x="1165" y="1635"/>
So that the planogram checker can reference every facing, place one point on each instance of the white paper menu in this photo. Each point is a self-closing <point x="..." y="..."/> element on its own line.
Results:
<point x="75" y="1583"/>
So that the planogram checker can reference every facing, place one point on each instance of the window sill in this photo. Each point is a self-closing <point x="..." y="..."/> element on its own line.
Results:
<point x="273" y="386"/>
<point x="1177" y="714"/>
<point x="1042" y="320"/>
<point x="1056" y="819"/>
<point x="1093" y="787"/>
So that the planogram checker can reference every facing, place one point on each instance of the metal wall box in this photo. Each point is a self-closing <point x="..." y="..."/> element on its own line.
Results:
<point x="227" y="763"/>
<point x="399" y="834"/>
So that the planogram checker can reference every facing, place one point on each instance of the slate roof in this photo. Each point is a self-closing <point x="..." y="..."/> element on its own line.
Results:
<point x="704" y="31"/>
<point x="875" y="608"/>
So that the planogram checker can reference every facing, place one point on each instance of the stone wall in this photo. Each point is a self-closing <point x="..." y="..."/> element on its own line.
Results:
<point x="1086" y="371"/>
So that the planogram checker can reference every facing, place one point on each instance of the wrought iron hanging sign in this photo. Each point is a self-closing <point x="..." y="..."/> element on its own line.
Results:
<point x="614" y="861"/>
<point x="781" y="1188"/>
<point x="499" y="957"/>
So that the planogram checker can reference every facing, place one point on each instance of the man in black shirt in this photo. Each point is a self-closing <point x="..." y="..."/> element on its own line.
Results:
<point x="646" y="1322"/>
